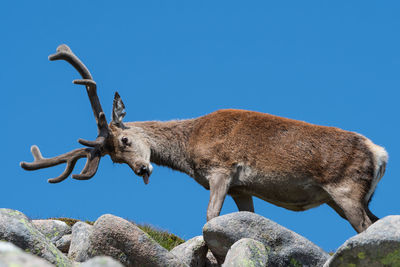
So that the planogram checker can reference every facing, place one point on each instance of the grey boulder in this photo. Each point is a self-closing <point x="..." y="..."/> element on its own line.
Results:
<point x="192" y="252"/>
<point x="379" y="245"/>
<point x="246" y="252"/>
<point x="287" y="248"/>
<point x="16" y="228"/>
<point x="10" y="255"/>
<point x="64" y="243"/>
<point x="125" y="242"/>
<point x="52" y="229"/>
<point x="211" y="261"/>
<point x="79" y="245"/>
<point x="101" y="261"/>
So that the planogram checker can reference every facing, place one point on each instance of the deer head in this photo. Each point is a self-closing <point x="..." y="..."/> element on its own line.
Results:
<point x="130" y="144"/>
<point x="116" y="139"/>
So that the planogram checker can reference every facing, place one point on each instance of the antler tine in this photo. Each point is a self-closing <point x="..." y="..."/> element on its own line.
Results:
<point x="92" y="155"/>
<point x="102" y="136"/>
<point x="65" y="53"/>
<point x="68" y="169"/>
<point x="98" y="142"/>
<point x="90" y="168"/>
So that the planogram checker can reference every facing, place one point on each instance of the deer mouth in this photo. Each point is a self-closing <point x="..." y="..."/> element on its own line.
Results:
<point x="146" y="178"/>
<point x="144" y="171"/>
<point x="144" y="175"/>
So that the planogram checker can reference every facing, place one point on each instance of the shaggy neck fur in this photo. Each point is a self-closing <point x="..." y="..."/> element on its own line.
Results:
<point x="168" y="142"/>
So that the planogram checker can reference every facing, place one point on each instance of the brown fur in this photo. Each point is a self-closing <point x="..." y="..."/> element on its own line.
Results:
<point x="292" y="164"/>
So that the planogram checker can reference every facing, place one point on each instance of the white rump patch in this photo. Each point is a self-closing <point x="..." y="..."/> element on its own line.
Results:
<point x="380" y="159"/>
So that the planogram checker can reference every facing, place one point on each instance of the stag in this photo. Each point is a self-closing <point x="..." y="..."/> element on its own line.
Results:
<point x="289" y="163"/>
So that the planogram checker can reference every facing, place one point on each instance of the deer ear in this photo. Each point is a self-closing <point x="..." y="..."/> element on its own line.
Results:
<point x="118" y="112"/>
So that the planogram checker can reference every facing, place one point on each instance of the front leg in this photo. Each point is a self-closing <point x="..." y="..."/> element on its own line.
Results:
<point x="219" y="185"/>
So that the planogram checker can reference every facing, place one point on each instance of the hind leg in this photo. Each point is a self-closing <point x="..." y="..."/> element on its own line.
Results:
<point x="244" y="202"/>
<point x="338" y="210"/>
<point x="372" y="217"/>
<point x="350" y="205"/>
<point x="355" y="213"/>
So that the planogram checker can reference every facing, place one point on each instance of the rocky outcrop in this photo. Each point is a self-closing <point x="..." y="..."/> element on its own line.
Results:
<point x="286" y="247"/>
<point x="237" y="239"/>
<point x="192" y="252"/>
<point x="379" y="245"/>
<point x="11" y="255"/>
<point x="16" y="228"/>
<point x="246" y="252"/>
<point x="52" y="229"/>
<point x="101" y="261"/>
<point x="127" y="243"/>
<point x="79" y="247"/>
<point x="211" y="261"/>
<point x="64" y="243"/>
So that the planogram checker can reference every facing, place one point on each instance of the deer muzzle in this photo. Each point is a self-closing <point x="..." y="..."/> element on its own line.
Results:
<point x="143" y="170"/>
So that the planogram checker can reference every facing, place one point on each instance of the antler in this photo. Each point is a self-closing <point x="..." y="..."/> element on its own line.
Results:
<point x="97" y="148"/>
<point x="70" y="158"/>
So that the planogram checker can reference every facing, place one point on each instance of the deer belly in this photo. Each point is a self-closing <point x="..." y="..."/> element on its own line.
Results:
<point x="293" y="193"/>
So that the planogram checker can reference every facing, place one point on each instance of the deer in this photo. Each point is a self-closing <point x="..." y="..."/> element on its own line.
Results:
<point x="289" y="163"/>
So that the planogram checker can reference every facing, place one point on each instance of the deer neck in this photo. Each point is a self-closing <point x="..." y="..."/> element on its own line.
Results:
<point x="169" y="142"/>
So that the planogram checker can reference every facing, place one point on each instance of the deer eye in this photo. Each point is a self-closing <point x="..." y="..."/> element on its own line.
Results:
<point x="125" y="141"/>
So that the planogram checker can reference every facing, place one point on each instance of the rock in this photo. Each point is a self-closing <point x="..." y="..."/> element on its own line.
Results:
<point x="125" y="242"/>
<point x="16" y="228"/>
<point x="101" y="261"/>
<point x="192" y="252"/>
<point x="11" y="255"/>
<point x="286" y="247"/>
<point x="79" y="246"/>
<point x="211" y="261"/>
<point x="8" y="247"/>
<point x="379" y="245"/>
<point x="52" y="229"/>
<point x="64" y="243"/>
<point x="246" y="252"/>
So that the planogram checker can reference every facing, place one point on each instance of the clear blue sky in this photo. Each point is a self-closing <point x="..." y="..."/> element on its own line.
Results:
<point x="329" y="63"/>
